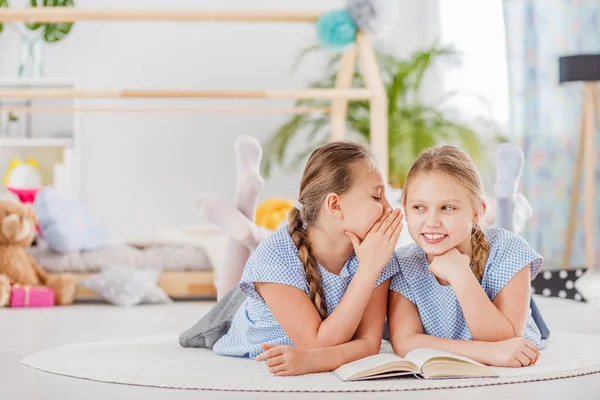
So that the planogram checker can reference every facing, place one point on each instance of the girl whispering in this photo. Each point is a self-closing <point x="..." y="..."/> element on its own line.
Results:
<point x="322" y="280"/>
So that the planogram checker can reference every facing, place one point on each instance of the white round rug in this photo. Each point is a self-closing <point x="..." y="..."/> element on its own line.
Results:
<point x="159" y="361"/>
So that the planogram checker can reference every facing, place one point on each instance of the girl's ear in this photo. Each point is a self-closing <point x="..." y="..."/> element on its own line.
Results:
<point x="477" y="217"/>
<point x="332" y="203"/>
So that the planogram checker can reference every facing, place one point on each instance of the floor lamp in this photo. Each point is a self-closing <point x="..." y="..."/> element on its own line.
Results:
<point x="584" y="68"/>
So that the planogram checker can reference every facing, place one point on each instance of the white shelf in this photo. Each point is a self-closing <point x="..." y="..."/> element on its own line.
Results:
<point x="36" y="142"/>
<point x="60" y="155"/>
<point x="36" y="82"/>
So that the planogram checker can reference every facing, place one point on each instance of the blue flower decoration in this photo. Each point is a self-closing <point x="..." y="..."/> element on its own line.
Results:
<point x="336" y="30"/>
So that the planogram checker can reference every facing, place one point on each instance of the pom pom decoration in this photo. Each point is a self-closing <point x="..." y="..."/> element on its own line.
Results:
<point x="373" y="17"/>
<point x="336" y="30"/>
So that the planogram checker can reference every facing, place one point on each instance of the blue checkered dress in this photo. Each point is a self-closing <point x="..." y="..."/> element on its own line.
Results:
<point x="276" y="260"/>
<point x="440" y="312"/>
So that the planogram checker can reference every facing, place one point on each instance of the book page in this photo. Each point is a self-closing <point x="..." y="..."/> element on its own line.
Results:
<point x="364" y="364"/>
<point x="420" y="356"/>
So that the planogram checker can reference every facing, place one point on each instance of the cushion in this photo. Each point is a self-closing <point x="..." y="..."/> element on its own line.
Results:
<point x="125" y="286"/>
<point x="65" y="224"/>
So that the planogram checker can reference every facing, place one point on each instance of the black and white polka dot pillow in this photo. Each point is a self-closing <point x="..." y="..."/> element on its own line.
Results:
<point x="558" y="283"/>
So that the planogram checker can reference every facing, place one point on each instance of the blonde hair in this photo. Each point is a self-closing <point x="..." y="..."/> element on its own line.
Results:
<point x="330" y="169"/>
<point x="456" y="164"/>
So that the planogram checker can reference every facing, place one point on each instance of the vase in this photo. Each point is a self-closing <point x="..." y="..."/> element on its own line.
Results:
<point x="32" y="48"/>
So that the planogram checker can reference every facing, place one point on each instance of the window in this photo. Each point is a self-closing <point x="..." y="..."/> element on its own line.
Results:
<point x="476" y="29"/>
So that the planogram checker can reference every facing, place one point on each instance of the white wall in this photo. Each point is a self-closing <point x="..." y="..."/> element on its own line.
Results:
<point x="142" y="172"/>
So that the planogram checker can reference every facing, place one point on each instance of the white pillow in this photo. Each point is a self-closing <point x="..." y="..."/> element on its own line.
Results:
<point x="126" y="286"/>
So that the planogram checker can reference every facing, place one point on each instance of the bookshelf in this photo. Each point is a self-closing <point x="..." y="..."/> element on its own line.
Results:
<point x="51" y="139"/>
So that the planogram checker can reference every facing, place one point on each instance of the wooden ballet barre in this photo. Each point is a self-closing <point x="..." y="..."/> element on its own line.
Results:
<point x="304" y="94"/>
<point x="272" y="110"/>
<point x="71" y="14"/>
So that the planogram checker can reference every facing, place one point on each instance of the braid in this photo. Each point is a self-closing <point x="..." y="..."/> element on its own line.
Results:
<point x="300" y="238"/>
<point x="480" y="250"/>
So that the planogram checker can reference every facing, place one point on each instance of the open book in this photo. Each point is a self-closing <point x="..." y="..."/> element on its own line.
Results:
<point x="422" y="363"/>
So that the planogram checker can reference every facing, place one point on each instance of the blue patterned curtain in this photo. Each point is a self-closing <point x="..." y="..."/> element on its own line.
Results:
<point x="545" y="116"/>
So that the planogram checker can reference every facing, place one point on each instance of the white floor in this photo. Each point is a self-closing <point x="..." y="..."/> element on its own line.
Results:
<point x="23" y="331"/>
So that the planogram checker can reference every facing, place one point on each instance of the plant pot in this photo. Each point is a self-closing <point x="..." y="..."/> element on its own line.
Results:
<point x="13" y="129"/>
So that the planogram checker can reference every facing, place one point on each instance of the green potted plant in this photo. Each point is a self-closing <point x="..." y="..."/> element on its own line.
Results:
<point x="413" y="125"/>
<point x="34" y="35"/>
<point x="12" y="125"/>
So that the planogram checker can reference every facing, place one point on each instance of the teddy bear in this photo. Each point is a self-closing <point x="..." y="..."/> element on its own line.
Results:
<point x="18" y="223"/>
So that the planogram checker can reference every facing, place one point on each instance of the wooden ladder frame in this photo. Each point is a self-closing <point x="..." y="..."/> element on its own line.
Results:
<point x="340" y="95"/>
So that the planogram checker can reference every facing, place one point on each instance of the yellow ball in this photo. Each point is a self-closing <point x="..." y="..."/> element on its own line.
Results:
<point x="272" y="212"/>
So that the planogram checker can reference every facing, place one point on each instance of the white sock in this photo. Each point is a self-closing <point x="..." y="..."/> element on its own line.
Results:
<point x="250" y="184"/>
<point x="235" y="257"/>
<point x="509" y="165"/>
<point x="238" y="222"/>
<point x="230" y="219"/>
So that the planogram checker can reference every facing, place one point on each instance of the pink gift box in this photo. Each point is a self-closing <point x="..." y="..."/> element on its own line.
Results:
<point x="31" y="296"/>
